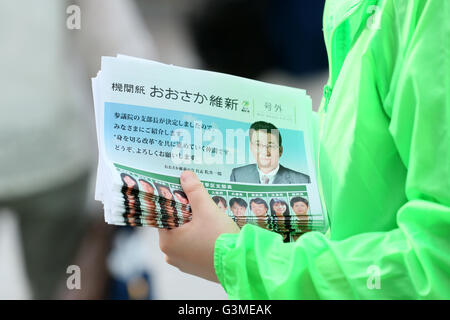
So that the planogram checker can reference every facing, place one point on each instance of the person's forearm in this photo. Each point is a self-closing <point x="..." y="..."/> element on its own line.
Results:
<point x="410" y="262"/>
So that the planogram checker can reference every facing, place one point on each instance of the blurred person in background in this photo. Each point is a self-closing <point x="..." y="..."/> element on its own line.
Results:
<point x="46" y="128"/>
<point x="44" y="163"/>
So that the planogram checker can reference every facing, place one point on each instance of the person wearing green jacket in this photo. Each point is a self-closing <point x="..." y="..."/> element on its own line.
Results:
<point x="384" y="172"/>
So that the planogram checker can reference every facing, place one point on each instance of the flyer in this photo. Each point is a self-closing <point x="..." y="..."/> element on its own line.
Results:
<point x="252" y="144"/>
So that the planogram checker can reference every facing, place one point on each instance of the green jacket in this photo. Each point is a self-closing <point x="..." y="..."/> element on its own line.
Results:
<point x="384" y="167"/>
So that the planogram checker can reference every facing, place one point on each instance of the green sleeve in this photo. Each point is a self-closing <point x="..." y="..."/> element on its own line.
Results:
<point x="412" y="260"/>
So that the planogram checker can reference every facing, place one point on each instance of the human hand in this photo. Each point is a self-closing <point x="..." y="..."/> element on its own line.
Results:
<point x="190" y="247"/>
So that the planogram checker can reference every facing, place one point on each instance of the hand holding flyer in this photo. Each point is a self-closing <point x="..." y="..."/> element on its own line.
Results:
<point x="191" y="247"/>
<point x="249" y="142"/>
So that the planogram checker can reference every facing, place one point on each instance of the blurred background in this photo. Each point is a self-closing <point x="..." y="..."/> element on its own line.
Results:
<point x="48" y="149"/>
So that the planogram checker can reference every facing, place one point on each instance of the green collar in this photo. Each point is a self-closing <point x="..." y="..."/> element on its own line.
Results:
<point x="343" y="22"/>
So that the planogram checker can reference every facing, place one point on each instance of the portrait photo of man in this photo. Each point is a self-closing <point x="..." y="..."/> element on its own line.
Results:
<point x="238" y="207"/>
<point x="259" y="207"/>
<point x="300" y="206"/>
<point x="267" y="149"/>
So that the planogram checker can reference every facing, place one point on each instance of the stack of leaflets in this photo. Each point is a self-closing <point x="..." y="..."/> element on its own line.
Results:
<point x="252" y="144"/>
